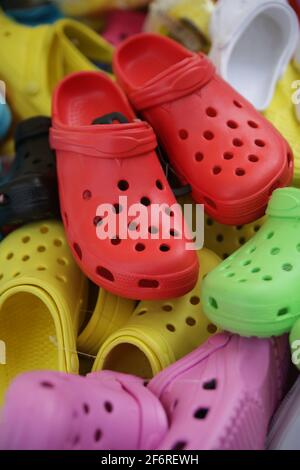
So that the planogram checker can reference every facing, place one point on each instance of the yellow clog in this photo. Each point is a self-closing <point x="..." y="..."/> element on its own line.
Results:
<point x="109" y="314"/>
<point x="42" y="300"/>
<point x="89" y="7"/>
<point x="186" y="21"/>
<point x="34" y="60"/>
<point x="159" y="332"/>
<point x="282" y="114"/>
<point x="219" y="238"/>
<point x="226" y="239"/>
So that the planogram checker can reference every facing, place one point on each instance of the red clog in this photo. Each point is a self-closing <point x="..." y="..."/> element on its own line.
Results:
<point x="99" y="160"/>
<point x="232" y="157"/>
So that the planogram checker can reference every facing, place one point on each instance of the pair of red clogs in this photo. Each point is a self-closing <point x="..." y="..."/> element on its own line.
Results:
<point x="214" y="139"/>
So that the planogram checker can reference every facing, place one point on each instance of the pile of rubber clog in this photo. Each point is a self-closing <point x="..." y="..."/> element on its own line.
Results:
<point x="150" y="225"/>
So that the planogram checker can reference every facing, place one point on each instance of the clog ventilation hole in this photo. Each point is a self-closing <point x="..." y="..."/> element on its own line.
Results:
<point x="222" y="237"/>
<point x="123" y="186"/>
<point x="39" y="249"/>
<point x="190" y="321"/>
<point x="85" y="409"/>
<point x="200" y="413"/>
<point x="237" y="142"/>
<point x="256" y="270"/>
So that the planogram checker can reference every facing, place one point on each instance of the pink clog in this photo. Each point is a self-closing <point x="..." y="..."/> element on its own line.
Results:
<point x="222" y="395"/>
<point x="103" y="411"/>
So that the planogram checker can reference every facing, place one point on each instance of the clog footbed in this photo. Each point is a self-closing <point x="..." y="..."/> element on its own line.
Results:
<point x="159" y="333"/>
<point x="255" y="291"/>
<point x="281" y="113"/>
<point x="222" y="395"/>
<point x="61" y="48"/>
<point x="28" y="190"/>
<point x="42" y="296"/>
<point x="56" y="411"/>
<point x="252" y="44"/>
<point x="233" y="157"/>
<point x="99" y="164"/>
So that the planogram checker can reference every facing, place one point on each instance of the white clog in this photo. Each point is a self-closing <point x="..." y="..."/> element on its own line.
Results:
<point x="253" y="41"/>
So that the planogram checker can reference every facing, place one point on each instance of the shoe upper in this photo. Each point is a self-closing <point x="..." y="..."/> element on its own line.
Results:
<point x="254" y="292"/>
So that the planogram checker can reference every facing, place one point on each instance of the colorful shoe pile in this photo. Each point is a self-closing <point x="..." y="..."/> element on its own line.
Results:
<point x="149" y="272"/>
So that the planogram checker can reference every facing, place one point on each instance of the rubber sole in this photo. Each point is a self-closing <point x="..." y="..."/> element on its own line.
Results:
<point x="137" y="286"/>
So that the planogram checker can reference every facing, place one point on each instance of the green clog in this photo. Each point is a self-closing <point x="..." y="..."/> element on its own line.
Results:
<point x="256" y="291"/>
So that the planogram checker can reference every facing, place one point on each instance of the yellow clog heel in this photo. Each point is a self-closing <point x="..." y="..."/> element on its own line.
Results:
<point x="159" y="332"/>
<point x="42" y="300"/>
<point x="109" y="314"/>
<point x="282" y="114"/>
<point x="34" y="60"/>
